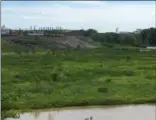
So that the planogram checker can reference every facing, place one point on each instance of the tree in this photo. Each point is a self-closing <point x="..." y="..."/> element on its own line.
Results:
<point x="25" y="33"/>
<point x="148" y="36"/>
<point x="90" y="32"/>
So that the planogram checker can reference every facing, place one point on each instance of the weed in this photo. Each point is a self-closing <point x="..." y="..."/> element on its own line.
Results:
<point x="108" y="80"/>
<point x="103" y="90"/>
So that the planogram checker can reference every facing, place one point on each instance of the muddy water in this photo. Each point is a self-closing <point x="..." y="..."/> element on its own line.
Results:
<point x="131" y="112"/>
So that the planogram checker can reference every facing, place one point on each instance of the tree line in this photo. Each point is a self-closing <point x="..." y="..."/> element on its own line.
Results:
<point x="144" y="38"/>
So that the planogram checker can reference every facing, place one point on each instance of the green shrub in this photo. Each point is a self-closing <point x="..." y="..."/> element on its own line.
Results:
<point x="108" y="80"/>
<point x="103" y="90"/>
<point x="54" y="76"/>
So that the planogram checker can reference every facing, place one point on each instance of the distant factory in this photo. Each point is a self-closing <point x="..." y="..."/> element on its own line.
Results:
<point x="51" y="33"/>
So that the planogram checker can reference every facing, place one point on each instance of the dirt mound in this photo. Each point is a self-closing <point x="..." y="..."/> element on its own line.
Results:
<point x="75" y="42"/>
<point x="55" y="42"/>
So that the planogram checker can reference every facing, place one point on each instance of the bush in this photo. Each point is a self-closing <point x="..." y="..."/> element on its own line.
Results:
<point x="17" y="76"/>
<point x="142" y="46"/>
<point x="129" y="73"/>
<point x="108" y="80"/>
<point x="54" y="76"/>
<point x="108" y="45"/>
<point x="103" y="90"/>
<point x="128" y="58"/>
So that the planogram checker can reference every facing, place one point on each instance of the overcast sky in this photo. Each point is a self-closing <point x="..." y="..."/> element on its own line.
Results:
<point x="103" y="16"/>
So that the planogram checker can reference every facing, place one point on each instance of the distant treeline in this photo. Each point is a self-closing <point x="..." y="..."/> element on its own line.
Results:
<point x="144" y="38"/>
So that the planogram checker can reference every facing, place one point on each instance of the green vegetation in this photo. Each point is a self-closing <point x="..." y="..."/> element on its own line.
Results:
<point x="144" y="38"/>
<point x="8" y="48"/>
<point x="35" y="76"/>
<point x="101" y="76"/>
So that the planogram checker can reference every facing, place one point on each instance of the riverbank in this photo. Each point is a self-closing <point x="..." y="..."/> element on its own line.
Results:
<point x="103" y="76"/>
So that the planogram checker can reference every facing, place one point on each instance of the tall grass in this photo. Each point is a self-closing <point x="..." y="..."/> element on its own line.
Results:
<point x="84" y="77"/>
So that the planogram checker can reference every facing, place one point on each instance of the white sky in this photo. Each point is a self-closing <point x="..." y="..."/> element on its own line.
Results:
<point x="102" y="16"/>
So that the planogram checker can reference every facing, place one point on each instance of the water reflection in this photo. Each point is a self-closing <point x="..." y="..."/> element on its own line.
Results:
<point x="50" y="117"/>
<point x="36" y="114"/>
<point x="90" y="118"/>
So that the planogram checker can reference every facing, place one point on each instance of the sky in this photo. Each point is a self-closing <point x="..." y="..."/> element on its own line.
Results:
<point x="104" y="16"/>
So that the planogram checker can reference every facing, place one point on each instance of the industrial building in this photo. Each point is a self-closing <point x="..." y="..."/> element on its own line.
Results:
<point x="51" y="33"/>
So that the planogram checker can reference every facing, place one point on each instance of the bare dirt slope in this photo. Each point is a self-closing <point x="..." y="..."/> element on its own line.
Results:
<point x="54" y="42"/>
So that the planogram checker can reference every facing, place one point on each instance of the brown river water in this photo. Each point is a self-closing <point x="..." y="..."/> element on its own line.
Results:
<point x="128" y="112"/>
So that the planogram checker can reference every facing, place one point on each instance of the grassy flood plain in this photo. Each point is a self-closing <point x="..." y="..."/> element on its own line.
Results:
<point x="101" y="76"/>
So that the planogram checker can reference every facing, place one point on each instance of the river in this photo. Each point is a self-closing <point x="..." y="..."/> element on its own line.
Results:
<point x="129" y="112"/>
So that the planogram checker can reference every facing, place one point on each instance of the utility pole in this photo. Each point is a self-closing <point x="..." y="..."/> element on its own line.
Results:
<point x="117" y="30"/>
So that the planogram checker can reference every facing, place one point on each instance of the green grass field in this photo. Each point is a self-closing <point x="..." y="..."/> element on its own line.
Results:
<point x="100" y="76"/>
